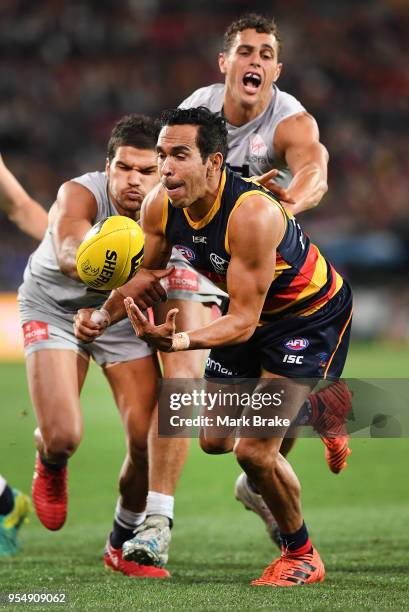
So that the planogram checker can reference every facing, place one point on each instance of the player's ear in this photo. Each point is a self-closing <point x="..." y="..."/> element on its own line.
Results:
<point x="107" y="166"/>
<point x="278" y="71"/>
<point x="222" y="63"/>
<point x="215" y="163"/>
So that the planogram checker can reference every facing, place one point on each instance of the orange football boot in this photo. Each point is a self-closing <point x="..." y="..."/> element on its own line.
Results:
<point x="289" y="571"/>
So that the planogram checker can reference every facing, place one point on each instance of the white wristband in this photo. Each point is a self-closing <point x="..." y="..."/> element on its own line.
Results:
<point x="101" y="317"/>
<point x="181" y="341"/>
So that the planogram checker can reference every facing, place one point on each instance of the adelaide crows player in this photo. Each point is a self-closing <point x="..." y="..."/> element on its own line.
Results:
<point x="280" y="287"/>
<point x="271" y="134"/>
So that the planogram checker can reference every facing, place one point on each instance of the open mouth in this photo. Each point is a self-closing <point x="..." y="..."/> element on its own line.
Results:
<point x="251" y="81"/>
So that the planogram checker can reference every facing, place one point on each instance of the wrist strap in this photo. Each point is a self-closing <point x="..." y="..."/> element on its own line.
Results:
<point x="101" y="317"/>
<point x="106" y="315"/>
<point x="181" y="341"/>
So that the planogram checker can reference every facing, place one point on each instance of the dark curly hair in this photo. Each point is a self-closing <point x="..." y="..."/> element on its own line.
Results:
<point x="133" y="130"/>
<point x="211" y="133"/>
<point x="250" y="21"/>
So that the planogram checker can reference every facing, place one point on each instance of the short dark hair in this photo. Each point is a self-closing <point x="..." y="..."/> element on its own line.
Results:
<point x="250" y="21"/>
<point x="133" y="130"/>
<point x="211" y="133"/>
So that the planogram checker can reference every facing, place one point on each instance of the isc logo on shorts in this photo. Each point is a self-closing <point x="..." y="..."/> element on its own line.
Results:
<point x="35" y="331"/>
<point x="296" y="344"/>
<point x="297" y="359"/>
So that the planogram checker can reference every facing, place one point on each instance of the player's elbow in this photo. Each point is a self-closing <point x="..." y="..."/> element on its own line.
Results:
<point x="68" y="268"/>
<point x="322" y="190"/>
<point x="322" y="173"/>
<point x="246" y="330"/>
<point x="319" y="190"/>
<point x="17" y="213"/>
<point x="29" y="217"/>
<point x="248" y="333"/>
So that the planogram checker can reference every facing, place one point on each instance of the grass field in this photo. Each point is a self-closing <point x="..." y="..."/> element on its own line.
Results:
<point x="359" y="519"/>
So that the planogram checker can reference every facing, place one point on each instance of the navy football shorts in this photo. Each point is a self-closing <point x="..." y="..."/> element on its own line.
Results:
<point x="298" y="347"/>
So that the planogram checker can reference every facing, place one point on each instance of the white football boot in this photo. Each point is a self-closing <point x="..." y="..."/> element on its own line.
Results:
<point x="254" y="502"/>
<point x="150" y="544"/>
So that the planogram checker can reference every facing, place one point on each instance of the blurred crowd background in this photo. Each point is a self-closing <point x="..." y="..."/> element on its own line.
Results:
<point x="70" y="69"/>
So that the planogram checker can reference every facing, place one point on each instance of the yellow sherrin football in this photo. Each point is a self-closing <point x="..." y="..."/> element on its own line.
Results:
<point x="111" y="253"/>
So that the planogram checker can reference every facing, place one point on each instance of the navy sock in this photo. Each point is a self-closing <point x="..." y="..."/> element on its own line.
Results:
<point x="55" y="467"/>
<point x="311" y="410"/>
<point x="6" y="501"/>
<point x="119" y="535"/>
<point x="304" y="415"/>
<point x="297" y="542"/>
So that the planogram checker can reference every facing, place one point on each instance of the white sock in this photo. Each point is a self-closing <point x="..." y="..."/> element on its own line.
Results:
<point x="126" y="518"/>
<point x="158" y="503"/>
<point x="3" y="484"/>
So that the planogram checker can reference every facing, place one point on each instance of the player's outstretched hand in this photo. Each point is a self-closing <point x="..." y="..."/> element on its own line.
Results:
<point x="158" y="336"/>
<point x="90" y="323"/>
<point x="145" y="287"/>
<point x="267" y="180"/>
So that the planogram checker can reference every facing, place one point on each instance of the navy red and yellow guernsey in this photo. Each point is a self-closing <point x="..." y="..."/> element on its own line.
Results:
<point x="303" y="281"/>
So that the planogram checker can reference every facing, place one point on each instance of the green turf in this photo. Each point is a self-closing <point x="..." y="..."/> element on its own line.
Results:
<point x="357" y="519"/>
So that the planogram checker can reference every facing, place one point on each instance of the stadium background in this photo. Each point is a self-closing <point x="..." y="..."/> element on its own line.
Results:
<point x="68" y="70"/>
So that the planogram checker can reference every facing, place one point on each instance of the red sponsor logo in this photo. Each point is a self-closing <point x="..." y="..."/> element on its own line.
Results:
<point x="35" y="331"/>
<point x="257" y="146"/>
<point x="183" y="280"/>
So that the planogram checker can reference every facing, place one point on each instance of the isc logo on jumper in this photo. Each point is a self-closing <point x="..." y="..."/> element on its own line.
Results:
<point x="199" y="239"/>
<point x="186" y="252"/>
<point x="296" y="344"/>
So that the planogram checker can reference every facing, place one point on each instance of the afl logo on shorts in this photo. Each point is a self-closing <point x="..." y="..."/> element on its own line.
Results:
<point x="186" y="252"/>
<point x="296" y="344"/>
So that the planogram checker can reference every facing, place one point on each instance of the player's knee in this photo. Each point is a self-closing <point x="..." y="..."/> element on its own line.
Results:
<point x="214" y="446"/>
<point x="63" y="444"/>
<point x="253" y="455"/>
<point x="137" y="451"/>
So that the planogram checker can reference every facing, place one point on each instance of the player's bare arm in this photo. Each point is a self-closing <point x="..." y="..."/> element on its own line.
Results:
<point x="29" y="216"/>
<point x="297" y="141"/>
<point x="74" y="212"/>
<point x="249" y="275"/>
